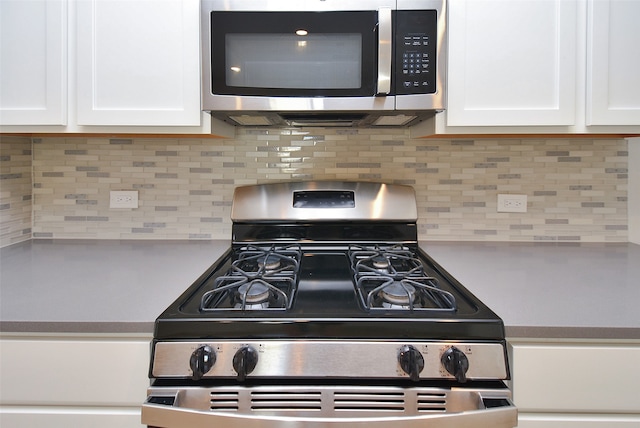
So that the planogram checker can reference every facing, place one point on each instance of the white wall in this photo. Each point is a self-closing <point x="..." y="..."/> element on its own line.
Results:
<point x="634" y="190"/>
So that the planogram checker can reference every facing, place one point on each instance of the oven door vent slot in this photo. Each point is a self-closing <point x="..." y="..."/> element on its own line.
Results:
<point x="286" y="401"/>
<point x="343" y="401"/>
<point x="224" y="401"/>
<point x="432" y="402"/>
<point x="369" y="402"/>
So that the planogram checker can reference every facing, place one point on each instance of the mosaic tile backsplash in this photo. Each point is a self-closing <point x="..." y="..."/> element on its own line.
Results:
<point x="16" y="190"/>
<point x="576" y="188"/>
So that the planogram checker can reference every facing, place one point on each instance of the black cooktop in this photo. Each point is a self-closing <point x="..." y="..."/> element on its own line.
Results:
<point x="328" y="305"/>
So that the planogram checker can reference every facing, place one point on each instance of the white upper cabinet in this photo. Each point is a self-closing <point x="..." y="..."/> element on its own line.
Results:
<point x="102" y="66"/>
<point x="33" y="62"/>
<point x="138" y="62"/>
<point x="512" y="62"/>
<point x="613" y="63"/>
<point x="541" y="67"/>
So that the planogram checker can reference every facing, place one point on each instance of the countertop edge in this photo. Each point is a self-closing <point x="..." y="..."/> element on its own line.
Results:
<point x="53" y="327"/>
<point x="146" y="328"/>
<point x="586" y="333"/>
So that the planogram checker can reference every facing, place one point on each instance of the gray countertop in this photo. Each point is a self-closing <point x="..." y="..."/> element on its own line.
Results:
<point x="540" y="290"/>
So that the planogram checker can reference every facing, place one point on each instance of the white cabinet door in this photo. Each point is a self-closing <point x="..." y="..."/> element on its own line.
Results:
<point x="582" y="378"/>
<point x="74" y="372"/>
<point x="512" y="62"/>
<point x="577" y="421"/>
<point x="73" y="381"/>
<point x="138" y="62"/>
<point x="33" y="62"/>
<point x="55" y="417"/>
<point x="613" y="63"/>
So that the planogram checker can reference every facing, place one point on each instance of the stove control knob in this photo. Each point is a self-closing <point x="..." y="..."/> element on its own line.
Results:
<point x="201" y="361"/>
<point x="411" y="361"/>
<point x="456" y="363"/>
<point x="244" y="361"/>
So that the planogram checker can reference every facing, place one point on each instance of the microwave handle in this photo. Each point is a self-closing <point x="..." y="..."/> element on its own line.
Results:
<point x="384" y="51"/>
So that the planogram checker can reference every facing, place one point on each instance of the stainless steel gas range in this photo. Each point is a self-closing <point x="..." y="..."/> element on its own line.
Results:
<point x="325" y="312"/>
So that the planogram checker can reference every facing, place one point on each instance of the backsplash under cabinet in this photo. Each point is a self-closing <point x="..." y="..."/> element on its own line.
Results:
<point x="58" y="187"/>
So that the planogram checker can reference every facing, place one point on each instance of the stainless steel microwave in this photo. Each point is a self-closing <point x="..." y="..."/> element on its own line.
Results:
<point x="323" y="62"/>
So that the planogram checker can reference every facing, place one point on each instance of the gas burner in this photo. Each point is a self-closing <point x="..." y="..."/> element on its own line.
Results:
<point x="259" y="279"/>
<point x="380" y="262"/>
<point x="269" y="262"/>
<point x="273" y="260"/>
<point x="398" y="294"/>
<point x="392" y="277"/>
<point x="407" y="293"/>
<point x="254" y="292"/>
<point x="394" y="260"/>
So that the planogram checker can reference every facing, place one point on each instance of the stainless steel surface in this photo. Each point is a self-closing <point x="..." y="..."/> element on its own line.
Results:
<point x="439" y="371"/>
<point x="373" y="201"/>
<point x="258" y="105"/>
<point x="385" y="39"/>
<point x="316" y="406"/>
<point x="298" y="5"/>
<point x="321" y="359"/>
<point x="266" y="110"/>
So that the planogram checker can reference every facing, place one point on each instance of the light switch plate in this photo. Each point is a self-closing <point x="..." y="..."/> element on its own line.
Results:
<point x="123" y="199"/>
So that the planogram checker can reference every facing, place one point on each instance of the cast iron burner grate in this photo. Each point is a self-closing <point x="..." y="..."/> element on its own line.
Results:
<point x="392" y="277"/>
<point x="260" y="278"/>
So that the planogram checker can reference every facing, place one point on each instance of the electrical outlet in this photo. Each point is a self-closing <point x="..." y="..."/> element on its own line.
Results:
<point x="512" y="203"/>
<point x="123" y="199"/>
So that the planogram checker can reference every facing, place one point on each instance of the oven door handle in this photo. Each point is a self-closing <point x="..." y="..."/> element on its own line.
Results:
<point x="385" y="37"/>
<point x="168" y="416"/>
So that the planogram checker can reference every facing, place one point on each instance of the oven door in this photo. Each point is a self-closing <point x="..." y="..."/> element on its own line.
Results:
<point x="314" y="406"/>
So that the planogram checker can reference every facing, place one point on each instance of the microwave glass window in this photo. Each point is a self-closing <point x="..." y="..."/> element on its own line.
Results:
<point x="294" y="54"/>
<point x="291" y="61"/>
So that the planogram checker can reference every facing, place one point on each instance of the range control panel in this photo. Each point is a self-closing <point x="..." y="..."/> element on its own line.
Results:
<point x="415" y="52"/>
<point x="324" y="199"/>
<point x="413" y="360"/>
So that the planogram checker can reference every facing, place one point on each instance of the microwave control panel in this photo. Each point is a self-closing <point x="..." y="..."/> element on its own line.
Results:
<point x="415" y="52"/>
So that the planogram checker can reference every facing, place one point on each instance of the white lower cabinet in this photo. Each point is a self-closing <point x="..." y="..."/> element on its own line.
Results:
<point x="73" y="381"/>
<point x="587" y="384"/>
<point x="526" y="420"/>
<point x="22" y="417"/>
